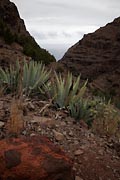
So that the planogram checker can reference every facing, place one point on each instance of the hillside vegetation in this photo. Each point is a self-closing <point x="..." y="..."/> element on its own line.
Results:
<point x="33" y="79"/>
<point x="30" y="47"/>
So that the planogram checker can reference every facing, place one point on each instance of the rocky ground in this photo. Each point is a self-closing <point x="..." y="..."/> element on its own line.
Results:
<point x="94" y="157"/>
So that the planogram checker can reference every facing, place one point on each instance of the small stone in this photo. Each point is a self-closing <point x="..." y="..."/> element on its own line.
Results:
<point x="57" y="125"/>
<point x="58" y="136"/>
<point x="33" y="134"/>
<point x="1" y="124"/>
<point x="64" y="133"/>
<point x="63" y="123"/>
<point x="43" y="121"/>
<point x="92" y="135"/>
<point x="76" y="142"/>
<point x="31" y="106"/>
<point x="78" y="152"/>
<point x="71" y="133"/>
<point x="24" y="132"/>
<point x="74" y="169"/>
<point x="100" y="152"/>
<point x="39" y="129"/>
<point x="1" y="105"/>
<point x="78" y="178"/>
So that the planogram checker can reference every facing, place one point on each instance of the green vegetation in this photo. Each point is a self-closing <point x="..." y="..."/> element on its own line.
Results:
<point x="34" y="77"/>
<point x="63" y="91"/>
<point x="9" y="78"/>
<point x="6" y="33"/>
<point x="30" y="47"/>
<point x="106" y="117"/>
<point x="110" y="94"/>
<point x="80" y="110"/>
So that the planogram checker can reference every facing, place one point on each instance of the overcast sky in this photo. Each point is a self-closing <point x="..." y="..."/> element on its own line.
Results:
<point x="58" y="24"/>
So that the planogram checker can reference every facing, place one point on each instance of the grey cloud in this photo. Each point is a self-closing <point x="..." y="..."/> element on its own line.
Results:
<point x="64" y="22"/>
<point x="55" y="34"/>
<point x="54" y="4"/>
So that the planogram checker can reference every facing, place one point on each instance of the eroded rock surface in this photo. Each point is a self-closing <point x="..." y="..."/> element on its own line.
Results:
<point x="33" y="158"/>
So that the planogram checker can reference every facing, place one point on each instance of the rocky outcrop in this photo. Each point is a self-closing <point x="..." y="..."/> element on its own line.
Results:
<point x="33" y="158"/>
<point x="97" y="57"/>
<point x="10" y="15"/>
<point x="15" y="40"/>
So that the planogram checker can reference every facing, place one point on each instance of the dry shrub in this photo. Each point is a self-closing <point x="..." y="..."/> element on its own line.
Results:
<point x="16" y="122"/>
<point x="1" y="91"/>
<point x="106" y="120"/>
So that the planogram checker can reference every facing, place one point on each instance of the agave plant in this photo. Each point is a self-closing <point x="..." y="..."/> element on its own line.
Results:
<point x="81" y="110"/>
<point x="66" y="90"/>
<point x="9" y="78"/>
<point x="35" y="76"/>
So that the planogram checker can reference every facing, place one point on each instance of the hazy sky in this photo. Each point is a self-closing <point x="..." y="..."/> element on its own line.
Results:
<point x="58" y="24"/>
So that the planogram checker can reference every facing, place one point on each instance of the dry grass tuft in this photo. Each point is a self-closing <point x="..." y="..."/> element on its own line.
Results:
<point x="107" y="120"/>
<point x="16" y="122"/>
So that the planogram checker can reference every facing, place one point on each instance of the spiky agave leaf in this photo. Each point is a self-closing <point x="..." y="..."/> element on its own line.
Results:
<point x="61" y="89"/>
<point x="80" y="110"/>
<point x="34" y="76"/>
<point x="65" y="90"/>
<point x="80" y="94"/>
<point x="9" y="77"/>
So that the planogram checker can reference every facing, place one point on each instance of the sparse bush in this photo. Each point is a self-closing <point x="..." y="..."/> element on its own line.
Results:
<point x="8" y="36"/>
<point x="108" y="94"/>
<point x="6" y="33"/>
<point x="59" y="69"/>
<point x="106" y="117"/>
<point x="30" y="47"/>
<point x="117" y="103"/>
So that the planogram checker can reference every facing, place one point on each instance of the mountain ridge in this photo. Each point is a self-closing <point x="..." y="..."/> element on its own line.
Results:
<point x="15" y="40"/>
<point x="97" y="57"/>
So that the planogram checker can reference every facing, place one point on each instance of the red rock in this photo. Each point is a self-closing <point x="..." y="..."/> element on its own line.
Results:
<point x="33" y="158"/>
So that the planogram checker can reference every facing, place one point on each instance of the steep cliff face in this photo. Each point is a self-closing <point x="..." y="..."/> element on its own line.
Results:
<point x="97" y="57"/>
<point x="10" y="15"/>
<point x="15" y="40"/>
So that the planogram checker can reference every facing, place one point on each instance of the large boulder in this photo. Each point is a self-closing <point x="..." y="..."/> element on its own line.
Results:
<point x="33" y="158"/>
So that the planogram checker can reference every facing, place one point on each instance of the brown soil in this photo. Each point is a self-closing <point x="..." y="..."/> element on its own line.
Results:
<point x="94" y="157"/>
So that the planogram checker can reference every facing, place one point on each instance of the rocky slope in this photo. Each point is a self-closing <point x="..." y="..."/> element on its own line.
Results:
<point x="94" y="157"/>
<point x="15" y="40"/>
<point x="97" y="57"/>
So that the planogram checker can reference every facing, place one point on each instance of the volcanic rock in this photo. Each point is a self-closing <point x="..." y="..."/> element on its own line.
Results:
<point x="78" y="152"/>
<point x="33" y="158"/>
<point x="58" y="136"/>
<point x="97" y="58"/>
